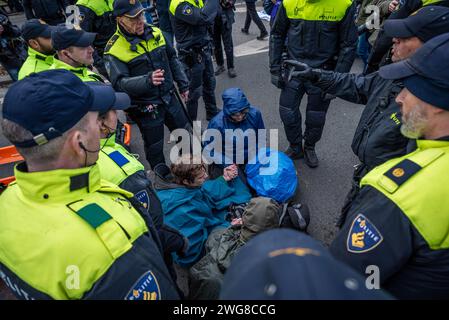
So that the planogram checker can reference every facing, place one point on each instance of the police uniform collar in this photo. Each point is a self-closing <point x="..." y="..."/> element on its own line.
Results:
<point x="58" y="64"/>
<point x="429" y="144"/>
<point x="108" y="142"/>
<point x="37" y="55"/>
<point x="57" y="185"/>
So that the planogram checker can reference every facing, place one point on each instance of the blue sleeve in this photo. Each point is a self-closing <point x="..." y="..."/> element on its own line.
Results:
<point x="259" y="122"/>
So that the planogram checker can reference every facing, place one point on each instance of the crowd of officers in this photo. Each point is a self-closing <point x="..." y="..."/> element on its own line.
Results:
<point x="395" y="216"/>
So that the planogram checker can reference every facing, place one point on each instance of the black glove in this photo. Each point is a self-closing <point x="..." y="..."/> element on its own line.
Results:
<point x="301" y="70"/>
<point x="277" y="79"/>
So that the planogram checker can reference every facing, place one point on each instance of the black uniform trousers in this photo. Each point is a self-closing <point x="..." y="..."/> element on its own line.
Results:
<point x="223" y="31"/>
<point x="289" y="102"/>
<point x="199" y="69"/>
<point x="251" y="14"/>
<point x="151" y="126"/>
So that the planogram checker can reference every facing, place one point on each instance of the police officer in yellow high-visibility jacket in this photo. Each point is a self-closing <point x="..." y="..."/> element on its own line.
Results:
<point x="322" y="34"/>
<point x="398" y="225"/>
<point x="122" y="168"/>
<point x="97" y="16"/>
<point x="37" y="34"/>
<point x="65" y="233"/>
<point x="143" y="64"/>
<point x="74" y="52"/>
<point x="192" y="21"/>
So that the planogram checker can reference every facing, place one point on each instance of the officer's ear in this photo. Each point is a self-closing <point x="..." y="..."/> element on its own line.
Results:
<point x="33" y="43"/>
<point x="75" y="142"/>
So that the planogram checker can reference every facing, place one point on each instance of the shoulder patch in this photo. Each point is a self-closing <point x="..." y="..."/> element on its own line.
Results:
<point x="111" y="42"/>
<point x="118" y="158"/>
<point x="146" y="288"/>
<point x="403" y="171"/>
<point x="363" y="236"/>
<point x="143" y="197"/>
<point x="187" y="10"/>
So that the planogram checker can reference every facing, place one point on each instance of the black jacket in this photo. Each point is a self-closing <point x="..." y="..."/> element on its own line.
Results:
<point x="191" y="24"/>
<point x="13" y="50"/>
<point x="51" y="11"/>
<point x="378" y="137"/>
<point x="314" y="42"/>
<point x="104" y="26"/>
<point x="134" y="77"/>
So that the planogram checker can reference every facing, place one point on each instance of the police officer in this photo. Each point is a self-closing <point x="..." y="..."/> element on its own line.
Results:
<point x="50" y="11"/>
<point x="74" y="52"/>
<point x="142" y="64"/>
<point x="192" y="20"/>
<point x="379" y="52"/>
<point x="223" y="30"/>
<point x="322" y="34"/>
<point x="399" y="222"/>
<point x="97" y="16"/>
<point x="378" y="137"/>
<point x="37" y="34"/>
<point x="65" y="233"/>
<point x="12" y="47"/>
<point x="122" y="168"/>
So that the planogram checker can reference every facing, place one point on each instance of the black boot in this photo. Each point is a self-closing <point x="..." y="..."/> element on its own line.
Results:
<point x="310" y="156"/>
<point x="262" y="36"/>
<point x="232" y="73"/>
<point x="219" y="70"/>
<point x="294" y="154"/>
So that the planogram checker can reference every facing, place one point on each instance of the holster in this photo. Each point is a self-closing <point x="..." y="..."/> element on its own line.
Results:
<point x="193" y="55"/>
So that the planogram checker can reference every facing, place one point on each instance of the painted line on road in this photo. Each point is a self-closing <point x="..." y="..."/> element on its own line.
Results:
<point x="251" y="47"/>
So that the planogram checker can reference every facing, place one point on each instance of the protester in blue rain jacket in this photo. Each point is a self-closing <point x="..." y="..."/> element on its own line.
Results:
<point x="194" y="205"/>
<point x="237" y="113"/>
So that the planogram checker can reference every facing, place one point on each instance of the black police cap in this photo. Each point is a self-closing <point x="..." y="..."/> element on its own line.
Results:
<point x="426" y="23"/>
<point x="128" y="8"/>
<point x="283" y="264"/>
<point x="63" y="37"/>
<point x="34" y="28"/>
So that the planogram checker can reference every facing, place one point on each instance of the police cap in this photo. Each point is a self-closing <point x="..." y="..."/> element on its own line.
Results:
<point x="425" y="74"/>
<point x="426" y="23"/>
<point x="284" y="264"/>
<point x="63" y="37"/>
<point x="128" y="8"/>
<point x="34" y="28"/>
<point x="51" y="102"/>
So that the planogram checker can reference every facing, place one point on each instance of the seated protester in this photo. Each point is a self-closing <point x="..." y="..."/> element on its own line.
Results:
<point x="237" y="113"/>
<point x="289" y="265"/>
<point x="207" y="274"/>
<point x="74" y="52"/>
<point x="120" y="167"/>
<point x="37" y="34"/>
<point x="194" y="205"/>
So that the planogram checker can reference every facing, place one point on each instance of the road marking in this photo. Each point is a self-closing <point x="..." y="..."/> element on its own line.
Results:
<point x="251" y="47"/>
